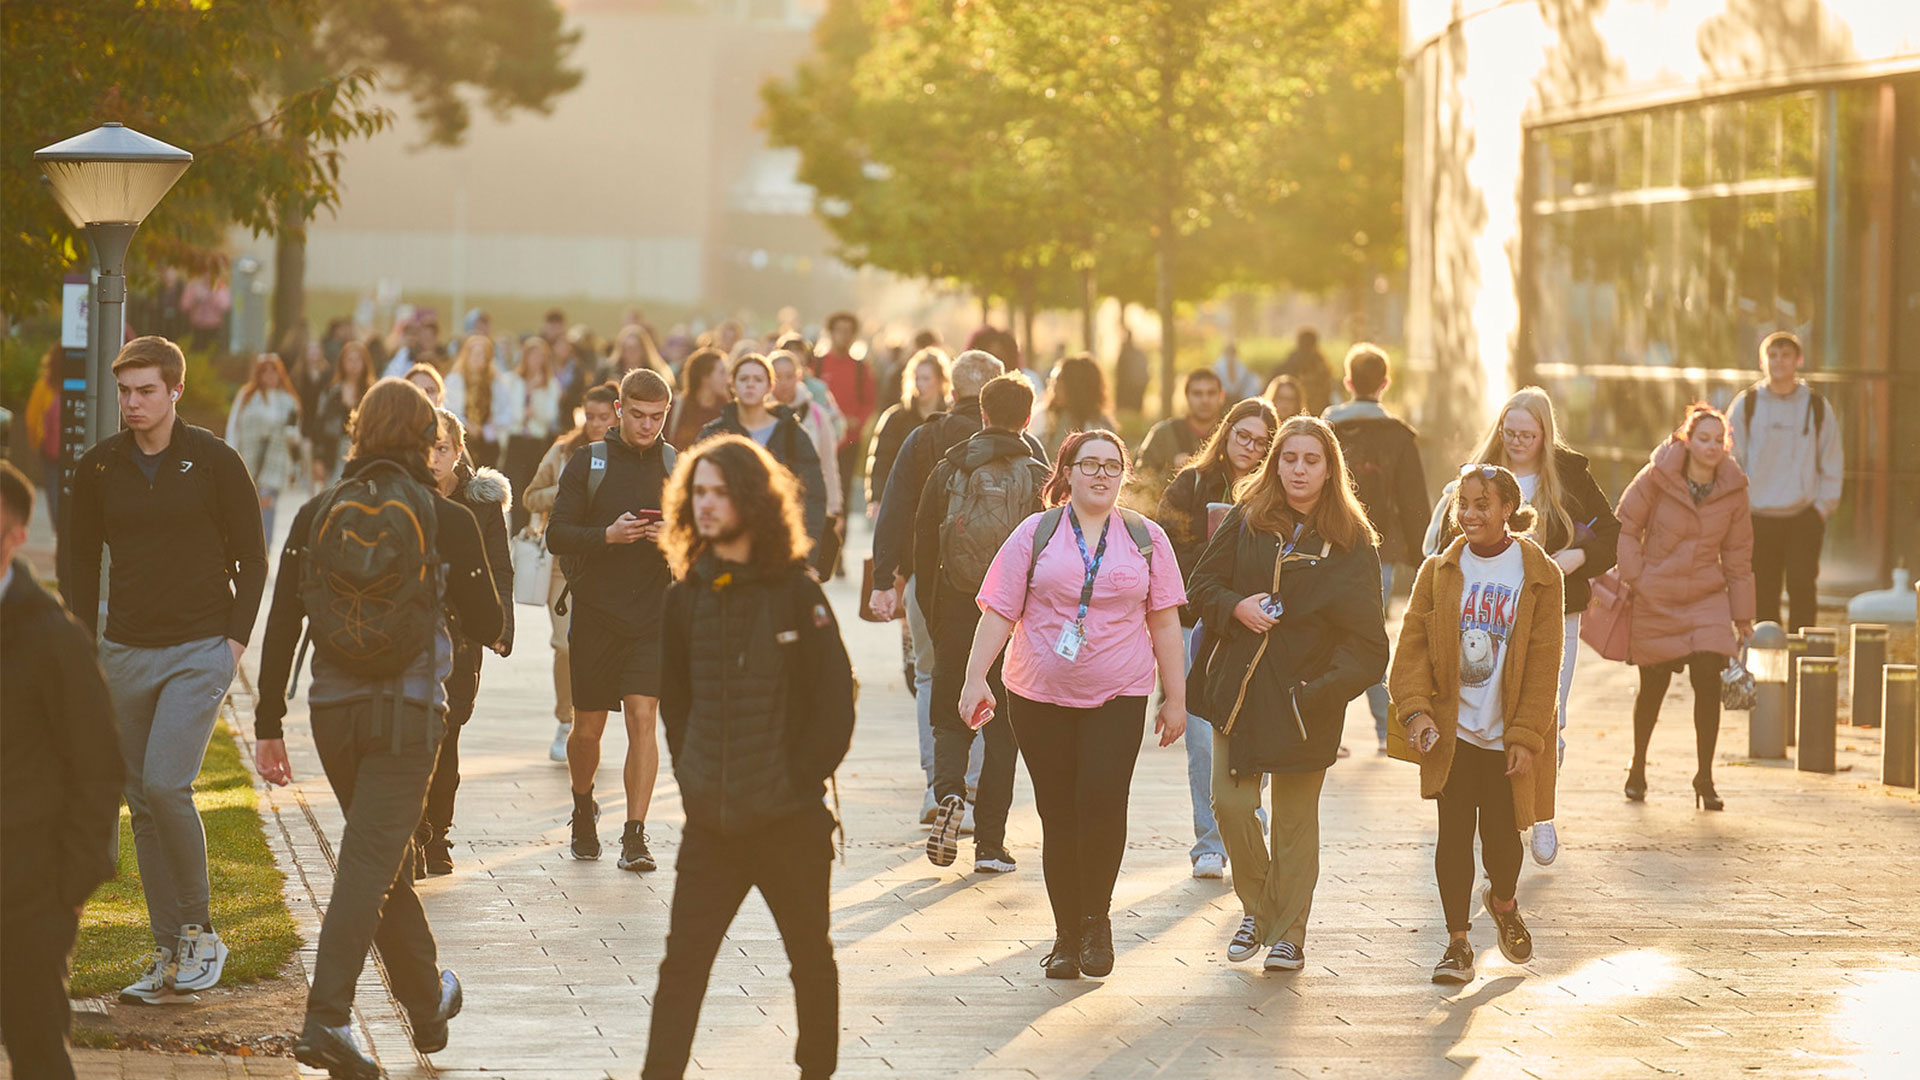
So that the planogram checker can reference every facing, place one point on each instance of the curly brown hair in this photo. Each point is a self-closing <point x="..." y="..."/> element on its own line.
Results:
<point x="766" y="495"/>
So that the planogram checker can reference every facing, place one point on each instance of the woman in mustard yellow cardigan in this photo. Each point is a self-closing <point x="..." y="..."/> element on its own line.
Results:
<point x="1476" y="679"/>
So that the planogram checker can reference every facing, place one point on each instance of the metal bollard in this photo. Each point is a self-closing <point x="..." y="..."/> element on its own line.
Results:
<point x="1768" y="726"/>
<point x="1865" y="658"/>
<point x="1900" y="704"/>
<point x="1796" y="648"/>
<point x="1819" y="702"/>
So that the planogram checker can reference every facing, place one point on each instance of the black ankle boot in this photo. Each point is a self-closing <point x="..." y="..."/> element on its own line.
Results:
<point x="1703" y="793"/>
<point x="1096" y="946"/>
<point x="1064" y="961"/>
<point x="1637" y="782"/>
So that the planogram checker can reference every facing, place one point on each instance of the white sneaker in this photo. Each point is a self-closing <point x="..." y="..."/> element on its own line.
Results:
<point x="929" y="807"/>
<point x="1210" y="866"/>
<point x="1545" y="843"/>
<point x="201" y="959"/>
<point x="154" y="983"/>
<point x="558" y="751"/>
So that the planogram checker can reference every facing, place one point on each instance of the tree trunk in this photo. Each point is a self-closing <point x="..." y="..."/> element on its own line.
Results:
<point x="1163" y="287"/>
<point x="289" y="273"/>
<point x="1089" y="305"/>
<point x="986" y="308"/>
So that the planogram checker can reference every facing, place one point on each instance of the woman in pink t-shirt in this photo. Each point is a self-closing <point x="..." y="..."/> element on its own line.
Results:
<point x="1091" y="617"/>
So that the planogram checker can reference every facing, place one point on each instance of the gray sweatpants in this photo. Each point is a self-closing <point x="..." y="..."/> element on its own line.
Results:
<point x="167" y="700"/>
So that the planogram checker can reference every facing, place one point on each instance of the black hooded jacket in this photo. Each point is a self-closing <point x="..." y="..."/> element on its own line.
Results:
<point x="621" y="583"/>
<point x="979" y="449"/>
<point x="488" y="494"/>
<point x="791" y="447"/>
<point x="1182" y="512"/>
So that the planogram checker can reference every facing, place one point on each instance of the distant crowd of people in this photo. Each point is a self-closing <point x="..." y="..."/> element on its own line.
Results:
<point x="675" y="511"/>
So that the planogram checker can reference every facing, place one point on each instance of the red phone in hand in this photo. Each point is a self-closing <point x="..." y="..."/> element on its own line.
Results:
<point x="980" y="716"/>
<point x="649" y="517"/>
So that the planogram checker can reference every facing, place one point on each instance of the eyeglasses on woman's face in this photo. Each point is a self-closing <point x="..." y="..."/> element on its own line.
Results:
<point x="1519" y="438"/>
<point x="1108" y="467"/>
<point x="1252" y="440"/>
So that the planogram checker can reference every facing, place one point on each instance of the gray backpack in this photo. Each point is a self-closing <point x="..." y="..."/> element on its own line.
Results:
<point x="984" y="506"/>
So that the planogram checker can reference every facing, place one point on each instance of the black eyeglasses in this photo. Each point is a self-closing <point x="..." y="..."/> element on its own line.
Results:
<point x="1252" y="441"/>
<point x="1099" y="467"/>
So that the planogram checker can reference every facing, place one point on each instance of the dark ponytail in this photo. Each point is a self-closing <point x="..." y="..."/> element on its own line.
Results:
<point x="1522" y="520"/>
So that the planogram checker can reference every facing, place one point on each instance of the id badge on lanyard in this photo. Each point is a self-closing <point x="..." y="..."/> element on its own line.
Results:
<point x="1074" y="634"/>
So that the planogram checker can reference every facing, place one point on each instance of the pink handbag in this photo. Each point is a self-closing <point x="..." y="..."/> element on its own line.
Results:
<point x="1608" y="624"/>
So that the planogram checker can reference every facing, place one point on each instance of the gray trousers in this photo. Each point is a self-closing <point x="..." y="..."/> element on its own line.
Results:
<point x="380" y="775"/>
<point x="167" y="700"/>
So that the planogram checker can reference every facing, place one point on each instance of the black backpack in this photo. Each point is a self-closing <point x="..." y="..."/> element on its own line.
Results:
<point x="370" y="575"/>
<point x="1370" y="461"/>
<point x="1814" y="422"/>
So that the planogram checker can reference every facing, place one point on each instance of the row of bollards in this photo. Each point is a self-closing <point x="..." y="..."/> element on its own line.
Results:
<point x="1797" y="679"/>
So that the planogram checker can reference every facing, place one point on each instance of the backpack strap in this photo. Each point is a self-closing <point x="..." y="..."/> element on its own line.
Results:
<point x="596" y="472"/>
<point x="1142" y="538"/>
<point x="1042" y="532"/>
<point x="669" y="457"/>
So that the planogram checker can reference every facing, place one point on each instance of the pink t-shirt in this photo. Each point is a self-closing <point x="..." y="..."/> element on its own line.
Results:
<point x="1116" y="660"/>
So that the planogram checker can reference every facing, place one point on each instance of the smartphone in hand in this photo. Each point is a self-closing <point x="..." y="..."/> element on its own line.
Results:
<point x="980" y="716"/>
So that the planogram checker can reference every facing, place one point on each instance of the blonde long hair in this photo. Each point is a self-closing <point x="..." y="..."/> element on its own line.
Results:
<point x="479" y="388"/>
<point x="1548" y="488"/>
<point x="1337" y="517"/>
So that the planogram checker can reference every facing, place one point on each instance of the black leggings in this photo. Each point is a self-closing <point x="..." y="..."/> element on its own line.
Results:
<point x="1705" y="668"/>
<point x="1081" y="763"/>
<point x="1477" y="792"/>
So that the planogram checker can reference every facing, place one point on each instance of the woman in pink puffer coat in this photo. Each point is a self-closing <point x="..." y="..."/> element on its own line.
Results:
<point x="1686" y="554"/>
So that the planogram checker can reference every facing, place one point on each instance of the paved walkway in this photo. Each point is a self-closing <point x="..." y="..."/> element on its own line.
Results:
<point x="1776" y="938"/>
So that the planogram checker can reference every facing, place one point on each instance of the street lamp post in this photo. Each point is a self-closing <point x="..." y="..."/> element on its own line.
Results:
<point x="107" y="181"/>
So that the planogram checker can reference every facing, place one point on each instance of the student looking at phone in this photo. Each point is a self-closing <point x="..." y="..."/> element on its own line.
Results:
<point x="606" y="523"/>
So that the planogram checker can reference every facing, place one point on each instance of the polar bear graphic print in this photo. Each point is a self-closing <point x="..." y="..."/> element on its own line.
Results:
<point x="1486" y="618"/>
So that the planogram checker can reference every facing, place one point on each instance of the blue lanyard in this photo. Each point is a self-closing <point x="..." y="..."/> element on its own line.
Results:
<point x="1092" y="563"/>
<point x="1286" y="549"/>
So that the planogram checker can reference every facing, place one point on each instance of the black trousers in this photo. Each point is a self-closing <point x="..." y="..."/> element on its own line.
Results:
<point x="36" y="938"/>
<point x="380" y="778"/>
<point x="1788" y="548"/>
<point x="1704" y="673"/>
<point x="1081" y="763"/>
<point x="791" y="862"/>
<point x="1477" y="792"/>
<point x="954" y="621"/>
<point x="438" y="816"/>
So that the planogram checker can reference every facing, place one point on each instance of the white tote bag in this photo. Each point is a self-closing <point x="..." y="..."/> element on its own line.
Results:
<point x="532" y="569"/>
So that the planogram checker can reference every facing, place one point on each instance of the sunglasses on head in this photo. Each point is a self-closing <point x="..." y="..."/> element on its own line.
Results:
<point x="1485" y="472"/>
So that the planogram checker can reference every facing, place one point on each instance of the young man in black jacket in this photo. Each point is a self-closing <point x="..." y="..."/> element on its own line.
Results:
<point x="757" y="700"/>
<point x="1383" y="455"/>
<point x="176" y="507"/>
<point x="60" y="781"/>
<point x="606" y="520"/>
<point x="378" y="739"/>
<point x="753" y="415"/>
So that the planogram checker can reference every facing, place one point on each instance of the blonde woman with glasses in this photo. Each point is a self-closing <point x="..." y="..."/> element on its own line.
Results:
<point x="1575" y="526"/>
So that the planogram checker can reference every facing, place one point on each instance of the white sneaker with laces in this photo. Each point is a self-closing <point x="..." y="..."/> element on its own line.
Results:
<point x="1545" y="842"/>
<point x="558" y="751"/>
<point x="154" y="983"/>
<point x="199" y="961"/>
<point x="1210" y="866"/>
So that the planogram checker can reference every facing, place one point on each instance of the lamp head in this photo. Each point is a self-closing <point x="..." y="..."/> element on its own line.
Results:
<point x="112" y="175"/>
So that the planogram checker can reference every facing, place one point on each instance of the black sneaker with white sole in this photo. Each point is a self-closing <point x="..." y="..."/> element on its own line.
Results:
<point x="1285" y="956"/>
<point x="634" y="855"/>
<point x="943" y="843"/>
<point x="1516" y="944"/>
<point x="586" y="834"/>
<point x="988" y="860"/>
<point x="1245" y="943"/>
<point x="1456" y="966"/>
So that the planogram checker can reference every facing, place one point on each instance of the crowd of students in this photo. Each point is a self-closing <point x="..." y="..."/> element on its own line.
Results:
<point x="690" y="500"/>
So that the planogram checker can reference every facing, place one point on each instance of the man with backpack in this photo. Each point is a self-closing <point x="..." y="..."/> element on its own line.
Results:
<point x="173" y="505"/>
<point x="1788" y="442"/>
<point x="606" y="530"/>
<point x="1383" y="457"/>
<point x="757" y="699"/>
<point x="980" y="492"/>
<point x="371" y="567"/>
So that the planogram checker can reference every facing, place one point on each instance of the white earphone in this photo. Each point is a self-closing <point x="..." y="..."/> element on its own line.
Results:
<point x="175" y="395"/>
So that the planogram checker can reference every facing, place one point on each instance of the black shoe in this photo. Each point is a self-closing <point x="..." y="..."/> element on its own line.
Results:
<point x="1096" y="946"/>
<point x="987" y="860"/>
<point x="1516" y="944"/>
<point x="634" y="855"/>
<point x="1064" y="961"/>
<point x="430" y="1032"/>
<point x="1637" y="783"/>
<point x="333" y="1049"/>
<point x="1457" y="965"/>
<point x="439" y="857"/>
<point x="1703" y="793"/>
<point x="586" y="816"/>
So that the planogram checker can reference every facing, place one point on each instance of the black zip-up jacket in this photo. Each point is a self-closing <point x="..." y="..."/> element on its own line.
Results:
<point x="60" y="765"/>
<point x="790" y="446"/>
<point x="971" y="453"/>
<point x="1182" y="512"/>
<point x="898" y="422"/>
<point x="469" y="592"/>
<point x="1324" y="651"/>
<point x="756" y="693"/>
<point x="1383" y="457"/>
<point x="189" y="559"/>
<point x="621" y="583"/>
<point x="925" y="446"/>
<point x="487" y="493"/>
<point x="1596" y="530"/>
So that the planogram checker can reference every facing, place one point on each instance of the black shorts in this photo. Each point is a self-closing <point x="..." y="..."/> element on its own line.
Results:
<point x="609" y="662"/>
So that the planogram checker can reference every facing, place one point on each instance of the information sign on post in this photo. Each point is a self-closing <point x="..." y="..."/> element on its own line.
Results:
<point x="75" y="300"/>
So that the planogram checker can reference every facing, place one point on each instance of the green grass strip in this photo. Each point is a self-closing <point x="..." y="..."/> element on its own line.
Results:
<point x="248" y="910"/>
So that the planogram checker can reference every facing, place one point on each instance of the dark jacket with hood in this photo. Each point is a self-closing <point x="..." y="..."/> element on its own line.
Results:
<point x="977" y="450"/>
<point x="60" y="765"/>
<point x="790" y="446"/>
<point x="894" y="532"/>
<point x="1183" y="514"/>
<point x="1596" y="530"/>
<point x="756" y="694"/>
<point x="898" y="422"/>
<point x="488" y="494"/>
<point x="1383" y="457"/>
<point x="1281" y="697"/>
<point x="467" y="591"/>
<point x="620" y="583"/>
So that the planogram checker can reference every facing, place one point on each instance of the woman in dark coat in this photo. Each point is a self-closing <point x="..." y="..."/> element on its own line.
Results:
<point x="1288" y="649"/>
<point x="930" y="393"/>
<point x="752" y="415"/>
